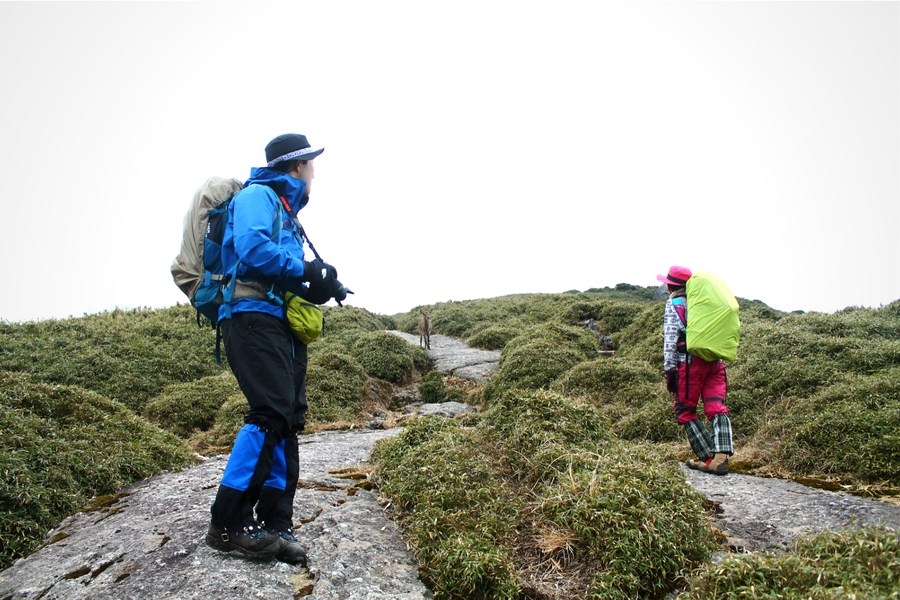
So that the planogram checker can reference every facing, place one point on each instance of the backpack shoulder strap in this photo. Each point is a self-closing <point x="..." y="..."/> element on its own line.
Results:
<point x="680" y="305"/>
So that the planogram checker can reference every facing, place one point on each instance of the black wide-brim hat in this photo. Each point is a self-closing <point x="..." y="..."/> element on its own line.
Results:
<point x="290" y="146"/>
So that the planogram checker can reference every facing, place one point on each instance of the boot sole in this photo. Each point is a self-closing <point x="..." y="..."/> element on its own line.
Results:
<point x="714" y="472"/>
<point x="291" y="560"/>
<point x="217" y="544"/>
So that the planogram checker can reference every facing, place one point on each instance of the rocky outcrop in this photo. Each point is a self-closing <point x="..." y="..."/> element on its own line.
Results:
<point x="453" y="357"/>
<point x="148" y="540"/>
<point x="769" y="514"/>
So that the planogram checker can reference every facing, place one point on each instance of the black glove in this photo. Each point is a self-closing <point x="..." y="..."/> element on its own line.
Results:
<point x="672" y="380"/>
<point x="317" y="295"/>
<point x="319" y="274"/>
<point x="339" y="291"/>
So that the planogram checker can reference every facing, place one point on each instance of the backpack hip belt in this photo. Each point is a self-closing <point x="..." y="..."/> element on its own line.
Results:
<point x="254" y="289"/>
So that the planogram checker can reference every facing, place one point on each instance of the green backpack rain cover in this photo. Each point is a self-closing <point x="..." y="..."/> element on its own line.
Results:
<point x="713" y="328"/>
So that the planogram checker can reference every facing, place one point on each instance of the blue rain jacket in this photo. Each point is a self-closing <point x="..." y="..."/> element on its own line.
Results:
<point x="249" y="237"/>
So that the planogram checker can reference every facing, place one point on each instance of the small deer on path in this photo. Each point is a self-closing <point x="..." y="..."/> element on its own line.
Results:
<point x="425" y="329"/>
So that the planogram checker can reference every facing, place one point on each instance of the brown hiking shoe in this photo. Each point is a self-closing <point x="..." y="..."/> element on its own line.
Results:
<point x="693" y="463"/>
<point x="253" y="541"/>
<point x="717" y="465"/>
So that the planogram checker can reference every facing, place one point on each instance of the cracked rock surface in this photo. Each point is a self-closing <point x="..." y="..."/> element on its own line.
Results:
<point x="769" y="514"/>
<point x="148" y="540"/>
<point x="453" y="357"/>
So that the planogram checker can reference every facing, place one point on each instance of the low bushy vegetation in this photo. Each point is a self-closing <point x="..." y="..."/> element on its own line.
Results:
<point x="492" y="338"/>
<point x="459" y="516"/>
<point x="432" y="388"/>
<point x="542" y="353"/>
<point x="62" y="445"/>
<point x="184" y="408"/>
<point x="851" y="564"/>
<point x="335" y="385"/>
<point x="129" y="356"/>
<point x="541" y="477"/>
<point x="573" y="435"/>
<point x="810" y="393"/>
<point x="611" y="309"/>
<point x="229" y="419"/>
<point x="566" y="484"/>
<point x="387" y="356"/>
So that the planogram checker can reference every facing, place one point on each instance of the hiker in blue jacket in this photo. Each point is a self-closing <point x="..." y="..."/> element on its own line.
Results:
<point x="253" y="508"/>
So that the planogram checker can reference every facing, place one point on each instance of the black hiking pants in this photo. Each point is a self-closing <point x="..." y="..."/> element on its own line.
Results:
<point x="263" y="469"/>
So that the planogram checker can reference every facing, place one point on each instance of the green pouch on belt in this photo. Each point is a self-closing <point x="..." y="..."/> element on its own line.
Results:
<point x="306" y="319"/>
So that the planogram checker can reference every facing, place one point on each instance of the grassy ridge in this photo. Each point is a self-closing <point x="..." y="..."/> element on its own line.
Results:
<point x="580" y="449"/>
<point x="61" y="445"/>
<point x="567" y="480"/>
<point x="812" y="394"/>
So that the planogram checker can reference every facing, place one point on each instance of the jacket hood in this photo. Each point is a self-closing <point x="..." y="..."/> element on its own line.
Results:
<point x="293" y="190"/>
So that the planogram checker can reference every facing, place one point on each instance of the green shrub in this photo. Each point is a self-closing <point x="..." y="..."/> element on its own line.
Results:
<point x="597" y="488"/>
<point x="470" y="566"/>
<point x="532" y="429"/>
<point x="851" y="564"/>
<point x="228" y="421"/>
<point x="626" y="292"/>
<point x="798" y="369"/>
<point x="492" y="338"/>
<point x="456" y="395"/>
<point x="609" y="380"/>
<point x="550" y="463"/>
<point x="867" y="323"/>
<point x="432" y="387"/>
<point x="457" y="319"/>
<point x="611" y="316"/>
<point x="468" y="318"/>
<point x="535" y="365"/>
<point x="849" y="428"/>
<point x="652" y="421"/>
<point x="457" y="514"/>
<point x="387" y="356"/>
<point x="635" y="517"/>
<point x="60" y="446"/>
<point x="542" y="354"/>
<point x="350" y="319"/>
<point x="642" y="339"/>
<point x="129" y="356"/>
<point x="630" y="393"/>
<point x="800" y="356"/>
<point x="185" y="407"/>
<point x="585" y="342"/>
<point x="335" y="386"/>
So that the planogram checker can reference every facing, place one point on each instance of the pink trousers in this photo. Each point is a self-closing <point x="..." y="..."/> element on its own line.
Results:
<point x="698" y="380"/>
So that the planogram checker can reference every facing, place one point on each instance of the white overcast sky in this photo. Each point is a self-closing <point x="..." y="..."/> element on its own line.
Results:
<point x="472" y="149"/>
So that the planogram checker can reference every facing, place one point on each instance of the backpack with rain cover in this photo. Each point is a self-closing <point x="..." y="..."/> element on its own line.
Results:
<point x="713" y="325"/>
<point x="197" y="270"/>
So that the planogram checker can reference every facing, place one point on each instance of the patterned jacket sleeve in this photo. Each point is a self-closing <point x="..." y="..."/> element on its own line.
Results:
<point x="671" y="327"/>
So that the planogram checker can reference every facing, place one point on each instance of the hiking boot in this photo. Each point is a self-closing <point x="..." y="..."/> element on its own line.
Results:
<point x="253" y="541"/>
<point x="717" y="465"/>
<point x="693" y="463"/>
<point x="293" y="553"/>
